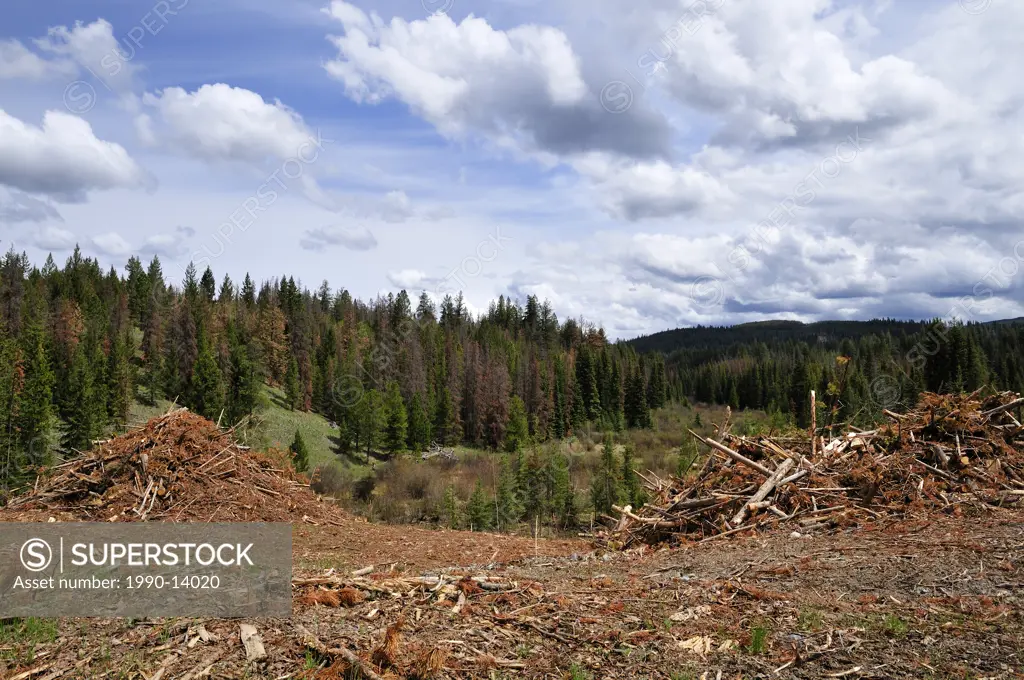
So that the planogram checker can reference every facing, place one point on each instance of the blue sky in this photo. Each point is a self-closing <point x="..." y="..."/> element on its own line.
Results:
<point x="796" y="158"/>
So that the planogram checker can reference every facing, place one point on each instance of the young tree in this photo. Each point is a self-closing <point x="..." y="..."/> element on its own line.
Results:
<point x="479" y="510"/>
<point x="300" y="454"/>
<point x="632" y="489"/>
<point x="606" y="486"/>
<point x="508" y="503"/>
<point x="517" y="434"/>
<point x="34" y="409"/>
<point x="450" y="514"/>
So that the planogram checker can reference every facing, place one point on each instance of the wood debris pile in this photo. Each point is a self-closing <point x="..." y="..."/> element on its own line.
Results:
<point x="949" y="452"/>
<point x="178" y="467"/>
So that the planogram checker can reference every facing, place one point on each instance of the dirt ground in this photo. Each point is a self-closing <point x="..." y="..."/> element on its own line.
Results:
<point x="935" y="598"/>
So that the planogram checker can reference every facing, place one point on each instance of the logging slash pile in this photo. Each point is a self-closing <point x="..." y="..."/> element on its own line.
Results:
<point x="950" y="453"/>
<point x="178" y="467"/>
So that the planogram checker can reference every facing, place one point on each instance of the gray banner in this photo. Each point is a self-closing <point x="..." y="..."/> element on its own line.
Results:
<point x="145" y="569"/>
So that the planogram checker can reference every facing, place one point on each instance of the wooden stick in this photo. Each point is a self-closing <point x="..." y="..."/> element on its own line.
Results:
<point x="765" y="489"/>
<point x="313" y="643"/>
<point x="1004" y="407"/>
<point x="732" y="454"/>
<point x="814" y="425"/>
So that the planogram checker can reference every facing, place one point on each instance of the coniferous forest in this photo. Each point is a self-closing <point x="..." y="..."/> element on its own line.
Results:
<point x="79" y="346"/>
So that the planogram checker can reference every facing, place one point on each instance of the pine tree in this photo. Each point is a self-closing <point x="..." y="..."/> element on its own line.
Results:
<point x="208" y="285"/>
<point x="632" y="489"/>
<point x="508" y="502"/>
<point x="517" y="433"/>
<point x="83" y="418"/>
<point x="300" y="454"/>
<point x="396" y="428"/>
<point x="606" y="486"/>
<point x="243" y="390"/>
<point x="121" y="379"/>
<point x="450" y="515"/>
<point x="370" y="421"/>
<point x="479" y="510"/>
<point x="34" y="408"/>
<point x="207" y="389"/>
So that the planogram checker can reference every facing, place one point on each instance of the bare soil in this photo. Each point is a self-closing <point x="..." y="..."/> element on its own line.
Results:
<point x="938" y="597"/>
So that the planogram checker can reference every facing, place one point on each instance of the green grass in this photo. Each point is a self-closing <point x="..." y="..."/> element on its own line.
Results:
<point x="280" y="424"/>
<point x="895" y="626"/>
<point x="577" y="672"/>
<point x="31" y="629"/>
<point x="758" y="639"/>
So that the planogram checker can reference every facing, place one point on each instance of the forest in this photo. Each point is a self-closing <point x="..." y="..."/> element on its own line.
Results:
<point x="79" y="345"/>
<point x="857" y="368"/>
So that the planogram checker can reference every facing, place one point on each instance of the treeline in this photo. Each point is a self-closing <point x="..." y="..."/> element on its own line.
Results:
<point x="79" y="345"/>
<point x="856" y="368"/>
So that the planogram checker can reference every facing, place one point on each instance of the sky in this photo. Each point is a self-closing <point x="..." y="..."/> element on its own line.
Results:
<point x="645" y="165"/>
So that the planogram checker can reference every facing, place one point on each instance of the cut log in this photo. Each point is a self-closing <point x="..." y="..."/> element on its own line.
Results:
<point x="732" y="454"/>
<point x="765" y="489"/>
<point x="254" y="650"/>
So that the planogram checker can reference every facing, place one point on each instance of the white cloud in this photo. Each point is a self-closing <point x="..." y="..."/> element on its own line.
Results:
<point x="16" y="61"/>
<point x="17" y="206"/>
<point x="62" y="159"/>
<point x="94" y="48"/>
<point x="220" y="122"/>
<point x="112" y="244"/>
<point x="407" y="278"/>
<point x="52" y="238"/>
<point x="351" y="237"/>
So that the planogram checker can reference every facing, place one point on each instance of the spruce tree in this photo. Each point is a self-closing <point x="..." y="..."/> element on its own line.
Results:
<point x="632" y="489"/>
<point x="509" y="505"/>
<point x="517" y="433"/>
<point x="207" y="389"/>
<point x="300" y="454"/>
<point x="479" y="510"/>
<point x="606" y="486"/>
<point x="34" y="409"/>
<point x="121" y="379"/>
<point x="83" y="417"/>
<point x="450" y="514"/>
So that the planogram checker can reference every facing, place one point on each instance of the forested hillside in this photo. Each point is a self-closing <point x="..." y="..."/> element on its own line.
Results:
<point x="857" y="367"/>
<point x="79" y="345"/>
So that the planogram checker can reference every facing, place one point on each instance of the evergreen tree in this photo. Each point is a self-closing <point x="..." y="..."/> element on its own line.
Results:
<point x="207" y="389"/>
<point x="300" y="454"/>
<point x="248" y="291"/>
<point x="396" y="428"/>
<point x="419" y="424"/>
<point x="632" y="489"/>
<point x="243" y="391"/>
<point x="84" y="419"/>
<point x="479" y="510"/>
<point x="208" y="285"/>
<point x="121" y="379"/>
<point x="370" y="420"/>
<point x="606" y="486"/>
<point x="34" y="408"/>
<point x="508" y="502"/>
<point x="517" y="434"/>
<point x="450" y="515"/>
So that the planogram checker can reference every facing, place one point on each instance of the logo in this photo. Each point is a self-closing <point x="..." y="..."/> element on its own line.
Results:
<point x="616" y="97"/>
<point x="36" y="554"/>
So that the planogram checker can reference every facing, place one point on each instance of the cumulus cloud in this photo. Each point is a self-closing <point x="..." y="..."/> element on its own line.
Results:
<point x="522" y="88"/>
<point x="353" y="238"/>
<point x="17" y="61"/>
<point x="220" y="122"/>
<point x="171" y="245"/>
<point x="63" y="158"/>
<point x="94" y="48"/>
<point x="407" y="278"/>
<point x="112" y="244"/>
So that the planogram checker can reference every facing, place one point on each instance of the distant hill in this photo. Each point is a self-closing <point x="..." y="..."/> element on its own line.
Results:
<point x="719" y="337"/>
